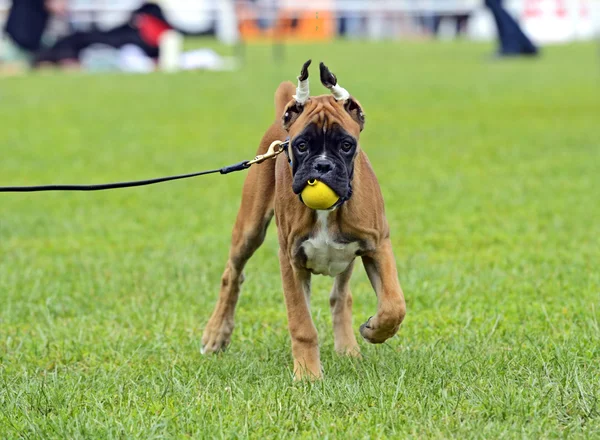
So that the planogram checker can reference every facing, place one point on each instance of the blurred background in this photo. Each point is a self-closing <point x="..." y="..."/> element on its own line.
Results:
<point x="546" y="20"/>
<point x="95" y="25"/>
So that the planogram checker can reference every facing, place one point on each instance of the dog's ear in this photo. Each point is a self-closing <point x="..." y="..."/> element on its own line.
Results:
<point x="291" y="113"/>
<point x="353" y="107"/>
<point x="296" y="106"/>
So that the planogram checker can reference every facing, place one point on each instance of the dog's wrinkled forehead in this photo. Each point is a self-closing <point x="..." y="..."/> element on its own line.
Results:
<point x="326" y="110"/>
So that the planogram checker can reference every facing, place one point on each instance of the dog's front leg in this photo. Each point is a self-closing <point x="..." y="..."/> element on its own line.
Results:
<point x="391" y="307"/>
<point x="305" y="347"/>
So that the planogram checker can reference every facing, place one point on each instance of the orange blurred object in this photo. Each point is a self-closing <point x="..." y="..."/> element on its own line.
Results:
<point x="290" y="24"/>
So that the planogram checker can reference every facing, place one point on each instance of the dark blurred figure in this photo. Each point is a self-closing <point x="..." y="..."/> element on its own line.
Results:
<point x="432" y="22"/>
<point x="513" y="42"/>
<point x="143" y="29"/>
<point x="27" y="20"/>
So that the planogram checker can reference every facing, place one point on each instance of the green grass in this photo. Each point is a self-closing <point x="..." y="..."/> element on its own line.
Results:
<point x="490" y="175"/>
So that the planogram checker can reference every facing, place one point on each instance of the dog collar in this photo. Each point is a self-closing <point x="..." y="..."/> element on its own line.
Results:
<point x="285" y="150"/>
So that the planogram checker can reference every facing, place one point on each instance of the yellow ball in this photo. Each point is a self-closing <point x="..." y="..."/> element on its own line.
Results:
<point x="317" y="195"/>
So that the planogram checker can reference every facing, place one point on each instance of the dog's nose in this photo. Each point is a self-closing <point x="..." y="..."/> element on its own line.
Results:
<point x="323" y="166"/>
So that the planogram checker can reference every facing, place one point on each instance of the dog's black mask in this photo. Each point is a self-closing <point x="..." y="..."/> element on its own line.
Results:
<point x="326" y="154"/>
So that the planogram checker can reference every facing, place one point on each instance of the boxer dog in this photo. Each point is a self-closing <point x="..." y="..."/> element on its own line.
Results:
<point x="323" y="134"/>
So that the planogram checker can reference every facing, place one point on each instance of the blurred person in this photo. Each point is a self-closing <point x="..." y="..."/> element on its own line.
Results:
<point x="25" y="26"/>
<point x="143" y="30"/>
<point x="431" y="22"/>
<point x="513" y="41"/>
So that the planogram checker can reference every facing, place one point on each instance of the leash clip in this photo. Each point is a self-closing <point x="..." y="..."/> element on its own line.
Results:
<point x="275" y="149"/>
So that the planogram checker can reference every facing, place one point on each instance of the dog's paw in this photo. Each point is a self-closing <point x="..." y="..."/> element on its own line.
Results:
<point x="216" y="338"/>
<point x="375" y="333"/>
<point x="303" y="372"/>
<point x="348" y="348"/>
<point x="350" y="352"/>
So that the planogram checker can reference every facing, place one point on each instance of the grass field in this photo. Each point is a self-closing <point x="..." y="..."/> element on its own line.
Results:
<point x="490" y="175"/>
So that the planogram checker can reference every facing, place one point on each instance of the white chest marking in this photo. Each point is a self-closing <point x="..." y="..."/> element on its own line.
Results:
<point x="323" y="255"/>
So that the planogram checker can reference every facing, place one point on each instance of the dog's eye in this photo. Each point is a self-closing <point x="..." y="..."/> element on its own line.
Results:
<point x="346" y="146"/>
<point x="301" y="146"/>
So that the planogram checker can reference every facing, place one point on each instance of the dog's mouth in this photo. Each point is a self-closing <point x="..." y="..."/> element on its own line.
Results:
<point x="317" y="195"/>
<point x="340" y="185"/>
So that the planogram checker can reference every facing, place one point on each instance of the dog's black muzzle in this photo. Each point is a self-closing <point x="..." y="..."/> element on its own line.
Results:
<point x="331" y="173"/>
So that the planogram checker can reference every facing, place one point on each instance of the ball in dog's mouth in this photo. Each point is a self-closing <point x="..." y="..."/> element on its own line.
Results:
<point x="317" y="195"/>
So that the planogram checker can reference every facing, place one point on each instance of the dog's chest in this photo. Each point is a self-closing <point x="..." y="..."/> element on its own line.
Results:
<point x="324" y="255"/>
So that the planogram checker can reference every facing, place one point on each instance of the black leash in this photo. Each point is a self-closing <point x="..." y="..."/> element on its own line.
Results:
<point x="225" y="170"/>
<point x="275" y="149"/>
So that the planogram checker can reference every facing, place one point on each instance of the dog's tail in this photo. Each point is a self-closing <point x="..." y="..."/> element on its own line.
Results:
<point x="283" y="95"/>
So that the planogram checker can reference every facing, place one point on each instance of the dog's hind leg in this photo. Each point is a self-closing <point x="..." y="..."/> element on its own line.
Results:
<point x="340" y="301"/>
<point x="254" y="215"/>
